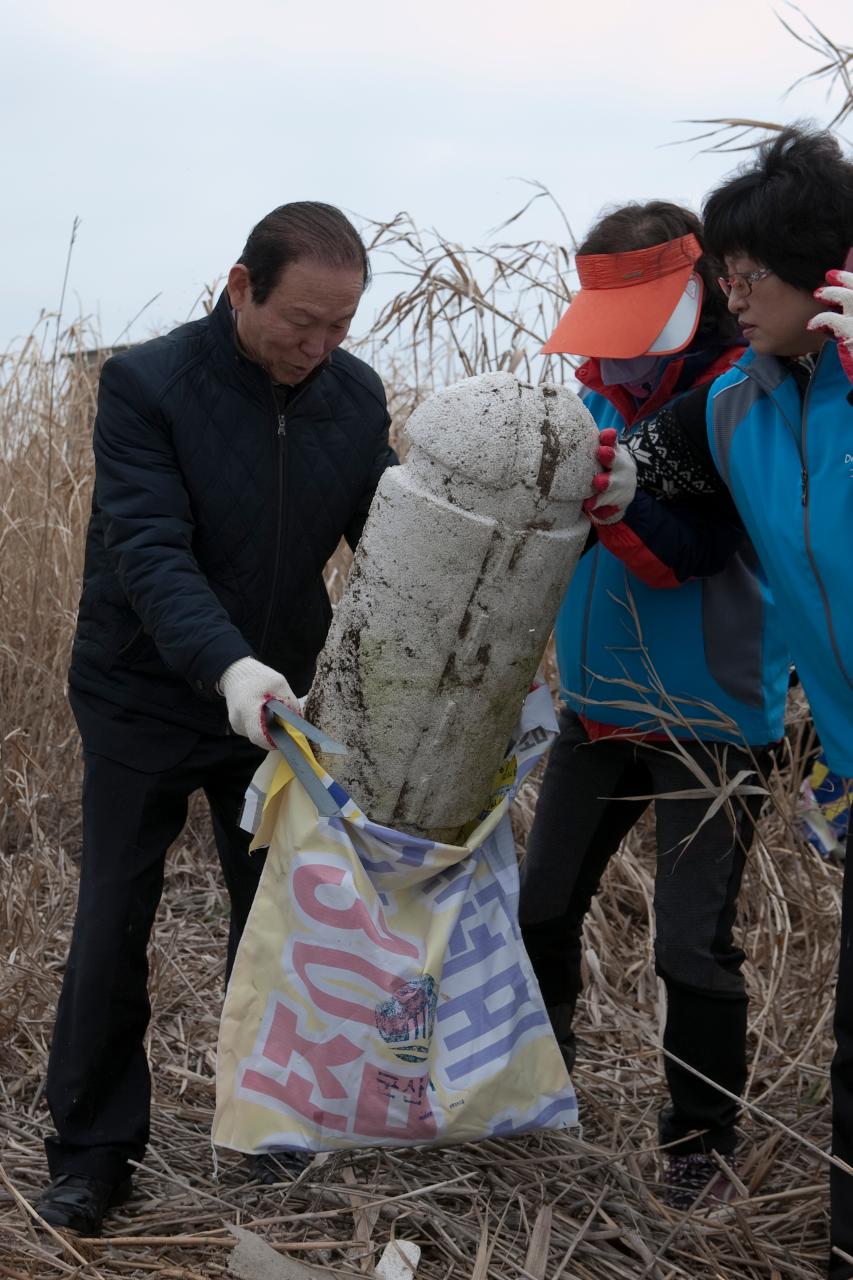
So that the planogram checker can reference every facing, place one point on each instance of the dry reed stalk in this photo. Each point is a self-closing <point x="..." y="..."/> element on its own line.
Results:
<point x="460" y="311"/>
<point x="735" y="133"/>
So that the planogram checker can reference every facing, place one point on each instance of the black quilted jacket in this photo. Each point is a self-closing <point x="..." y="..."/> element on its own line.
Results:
<point x="216" y="506"/>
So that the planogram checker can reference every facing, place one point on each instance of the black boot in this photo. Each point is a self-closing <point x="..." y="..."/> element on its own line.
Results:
<point x="274" y="1167"/>
<point x="561" y="1016"/>
<point x="78" y="1204"/>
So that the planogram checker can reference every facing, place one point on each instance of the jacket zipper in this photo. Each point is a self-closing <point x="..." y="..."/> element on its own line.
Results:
<point x="586" y="674"/>
<point x="125" y="648"/>
<point x="805" y="495"/>
<point x="281" y="442"/>
<point x="280" y="418"/>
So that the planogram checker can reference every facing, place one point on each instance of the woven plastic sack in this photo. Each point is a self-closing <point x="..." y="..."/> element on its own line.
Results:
<point x="381" y="994"/>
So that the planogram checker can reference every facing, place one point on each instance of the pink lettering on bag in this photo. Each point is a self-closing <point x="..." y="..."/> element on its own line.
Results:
<point x="305" y="954"/>
<point x="395" y="1107"/>
<point x="283" y="1040"/>
<point x="308" y="879"/>
<point x="295" y="1094"/>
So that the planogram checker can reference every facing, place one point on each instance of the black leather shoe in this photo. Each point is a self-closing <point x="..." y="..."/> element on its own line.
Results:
<point x="78" y="1204"/>
<point x="272" y="1168"/>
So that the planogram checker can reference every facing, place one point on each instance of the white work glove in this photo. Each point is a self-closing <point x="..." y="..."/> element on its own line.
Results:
<point x="615" y="485"/>
<point x="248" y="686"/>
<point x="839" y="324"/>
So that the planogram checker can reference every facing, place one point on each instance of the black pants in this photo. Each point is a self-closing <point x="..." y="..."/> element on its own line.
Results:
<point x="98" y="1086"/>
<point x="579" y="823"/>
<point x="841" y="1183"/>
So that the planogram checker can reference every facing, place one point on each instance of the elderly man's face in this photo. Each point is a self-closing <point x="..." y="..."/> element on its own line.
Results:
<point x="306" y="316"/>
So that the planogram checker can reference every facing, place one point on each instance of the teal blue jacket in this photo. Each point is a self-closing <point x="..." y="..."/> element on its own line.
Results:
<point x="788" y="463"/>
<point x="706" y="657"/>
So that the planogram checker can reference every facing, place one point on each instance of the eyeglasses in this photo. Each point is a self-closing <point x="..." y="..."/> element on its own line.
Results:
<point x="741" y="282"/>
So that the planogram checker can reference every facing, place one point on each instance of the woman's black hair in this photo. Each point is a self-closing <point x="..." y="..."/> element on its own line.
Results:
<point x="791" y="210"/>
<point x="304" y="229"/>
<point x="639" y="226"/>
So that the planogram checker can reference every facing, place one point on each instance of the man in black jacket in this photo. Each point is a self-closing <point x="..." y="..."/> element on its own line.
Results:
<point x="231" y="456"/>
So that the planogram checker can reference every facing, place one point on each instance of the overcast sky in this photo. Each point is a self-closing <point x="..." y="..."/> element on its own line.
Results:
<point x="170" y="126"/>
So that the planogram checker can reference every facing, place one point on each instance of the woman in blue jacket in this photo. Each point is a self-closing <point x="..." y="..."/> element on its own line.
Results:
<point x="658" y="686"/>
<point x="776" y="432"/>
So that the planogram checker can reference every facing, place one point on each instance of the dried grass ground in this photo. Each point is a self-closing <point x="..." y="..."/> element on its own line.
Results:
<point x="571" y="1204"/>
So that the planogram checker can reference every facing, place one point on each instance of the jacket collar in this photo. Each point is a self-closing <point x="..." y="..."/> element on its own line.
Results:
<point x="772" y="372"/>
<point x="682" y="373"/>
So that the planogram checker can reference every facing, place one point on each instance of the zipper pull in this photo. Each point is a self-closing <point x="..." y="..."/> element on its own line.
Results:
<point x="281" y="426"/>
<point x="805" y="487"/>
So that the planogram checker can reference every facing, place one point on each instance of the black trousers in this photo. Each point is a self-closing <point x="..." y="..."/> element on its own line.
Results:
<point x="580" y="821"/>
<point x="98" y="1085"/>
<point x="841" y="1183"/>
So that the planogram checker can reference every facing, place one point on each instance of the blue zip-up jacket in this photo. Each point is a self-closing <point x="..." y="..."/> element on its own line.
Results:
<point x="789" y="466"/>
<point x="707" y="658"/>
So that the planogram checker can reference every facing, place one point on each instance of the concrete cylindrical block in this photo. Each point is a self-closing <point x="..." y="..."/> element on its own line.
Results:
<point x="456" y="582"/>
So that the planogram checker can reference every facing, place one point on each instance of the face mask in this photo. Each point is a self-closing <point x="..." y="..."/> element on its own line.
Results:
<point x="637" y="372"/>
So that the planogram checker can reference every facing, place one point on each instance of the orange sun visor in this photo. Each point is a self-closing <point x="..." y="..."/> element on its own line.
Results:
<point x="627" y="301"/>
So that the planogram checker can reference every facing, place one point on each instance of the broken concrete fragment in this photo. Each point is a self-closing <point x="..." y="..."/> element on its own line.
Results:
<point x="467" y="552"/>
<point x="399" y="1261"/>
<point x="253" y="1259"/>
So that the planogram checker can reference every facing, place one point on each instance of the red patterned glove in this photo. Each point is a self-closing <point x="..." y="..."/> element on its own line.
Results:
<point x="616" y="483"/>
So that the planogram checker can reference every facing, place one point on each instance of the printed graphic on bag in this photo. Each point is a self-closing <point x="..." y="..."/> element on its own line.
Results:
<point x="406" y="1021"/>
<point x="381" y="994"/>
